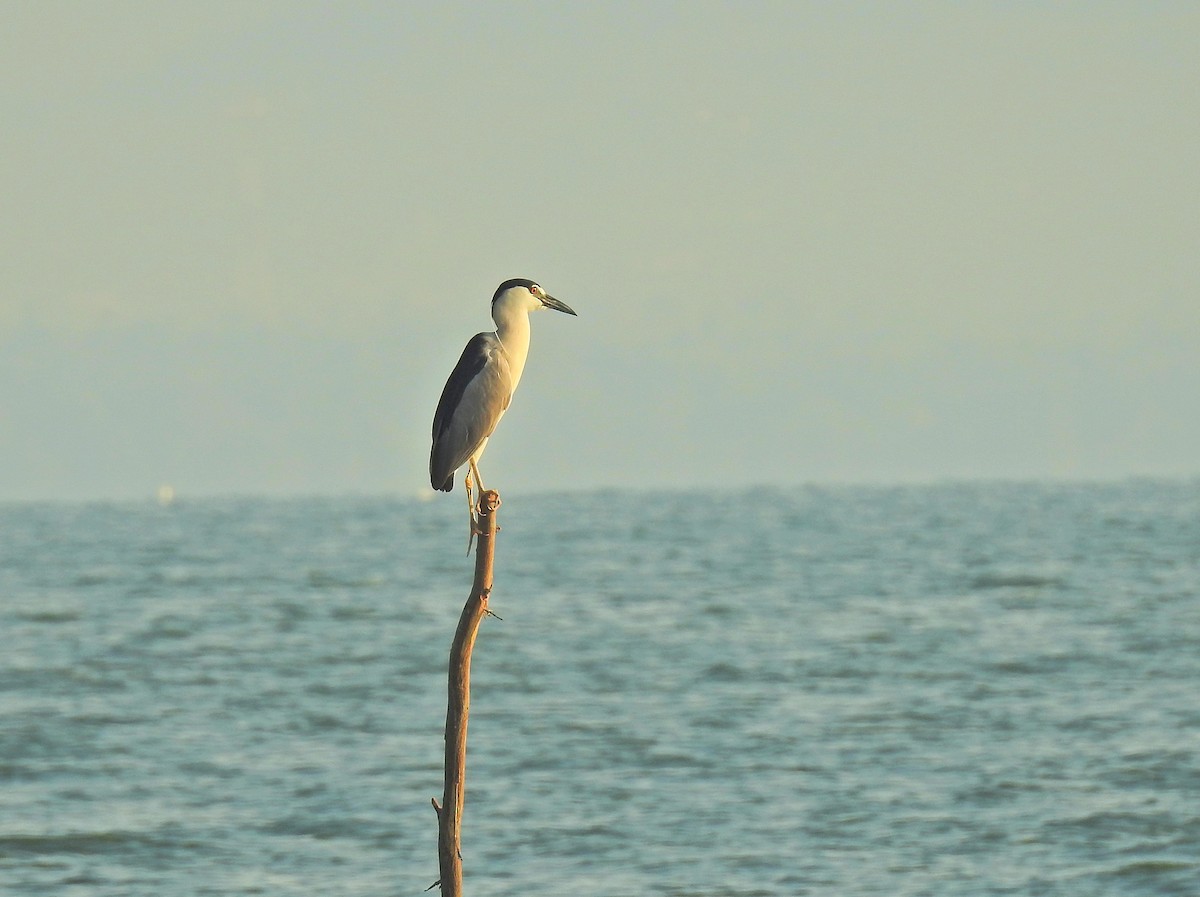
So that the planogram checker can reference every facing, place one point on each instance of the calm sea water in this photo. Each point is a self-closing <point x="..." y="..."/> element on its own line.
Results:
<point x="950" y="690"/>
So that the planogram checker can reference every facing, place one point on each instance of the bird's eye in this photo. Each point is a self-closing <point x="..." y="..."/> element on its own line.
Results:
<point x="535" y="289"/>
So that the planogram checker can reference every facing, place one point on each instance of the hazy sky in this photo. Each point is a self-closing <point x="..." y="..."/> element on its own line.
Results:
<point x="244" y="243"/>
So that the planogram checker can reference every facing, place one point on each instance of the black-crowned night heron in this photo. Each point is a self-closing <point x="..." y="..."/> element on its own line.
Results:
<point x="482" y="384"/>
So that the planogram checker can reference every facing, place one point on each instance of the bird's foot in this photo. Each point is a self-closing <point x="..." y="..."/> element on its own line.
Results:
<point x="475" y="531"/>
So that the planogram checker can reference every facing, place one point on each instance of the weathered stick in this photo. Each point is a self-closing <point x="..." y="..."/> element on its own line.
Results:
<point x="459" y="701"/>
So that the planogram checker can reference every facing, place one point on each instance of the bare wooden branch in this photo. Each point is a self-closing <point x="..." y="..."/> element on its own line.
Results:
<point x="459" y="700"/>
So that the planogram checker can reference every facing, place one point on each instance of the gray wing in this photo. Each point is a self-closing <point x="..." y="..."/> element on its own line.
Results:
<point x="472" y="402"/>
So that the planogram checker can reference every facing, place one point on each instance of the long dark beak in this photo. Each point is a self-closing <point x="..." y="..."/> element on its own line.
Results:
<point x="549" y="301"/>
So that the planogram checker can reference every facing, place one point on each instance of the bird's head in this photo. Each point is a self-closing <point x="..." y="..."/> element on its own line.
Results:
<point x="527" y="296"/>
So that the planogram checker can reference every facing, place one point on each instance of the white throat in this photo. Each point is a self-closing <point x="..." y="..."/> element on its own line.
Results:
<point x="512" y="329"/>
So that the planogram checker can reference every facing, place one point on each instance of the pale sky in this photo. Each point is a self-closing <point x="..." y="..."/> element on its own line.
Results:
<point x="244" y="243"/>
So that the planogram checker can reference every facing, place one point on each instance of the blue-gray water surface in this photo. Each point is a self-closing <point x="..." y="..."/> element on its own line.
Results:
<point x="969" y="689"/>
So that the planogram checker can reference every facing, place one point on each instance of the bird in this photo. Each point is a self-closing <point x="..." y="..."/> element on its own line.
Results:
<point x="481" y="386"/>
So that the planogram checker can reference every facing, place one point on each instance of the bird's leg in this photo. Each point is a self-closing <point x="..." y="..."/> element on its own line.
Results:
<point x="474" y="529"/>
<point x="478" y="478"/>
<point x="479" y="490"/>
